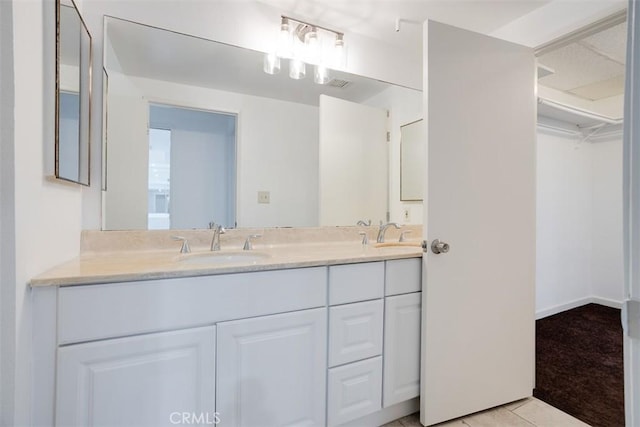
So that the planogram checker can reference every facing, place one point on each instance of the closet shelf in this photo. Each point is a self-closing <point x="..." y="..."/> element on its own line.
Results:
<point x="582" y="119"/>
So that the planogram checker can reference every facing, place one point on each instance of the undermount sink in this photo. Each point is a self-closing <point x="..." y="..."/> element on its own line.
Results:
<point x="216" y="258"/>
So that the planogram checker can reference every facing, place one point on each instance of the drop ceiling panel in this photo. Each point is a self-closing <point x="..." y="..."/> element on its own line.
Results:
<point x="602" y="89"/>
<point x="577" y="66"/>
<point x="610" y="42"/>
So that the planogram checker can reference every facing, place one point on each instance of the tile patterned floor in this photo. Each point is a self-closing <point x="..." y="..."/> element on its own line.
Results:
<point x="529" y="412"/>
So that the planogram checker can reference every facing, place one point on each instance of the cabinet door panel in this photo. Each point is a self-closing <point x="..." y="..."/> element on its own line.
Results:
<point x="271" y="370"/>
<point x="137" y="381"/>
<point x="402" y="348"/>
<point x="355" y="332"/>
<point x="355" y="390"/>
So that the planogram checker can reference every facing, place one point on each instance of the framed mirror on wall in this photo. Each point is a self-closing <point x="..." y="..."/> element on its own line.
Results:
<point x="412" y="154"/>
<point x="277" y="157"/>
<point x="73" y="95"/>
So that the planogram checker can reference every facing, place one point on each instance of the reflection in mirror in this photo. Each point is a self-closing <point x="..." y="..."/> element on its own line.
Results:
<point x="288" y="160"/>
<point x="73" y="87"/>
<point x="412" y="154"/>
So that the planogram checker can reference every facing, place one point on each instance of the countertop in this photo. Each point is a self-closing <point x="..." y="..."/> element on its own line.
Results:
<point x="124" y="266"/>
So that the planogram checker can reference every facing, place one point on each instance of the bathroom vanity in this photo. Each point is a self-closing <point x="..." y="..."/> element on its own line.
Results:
<point x="302" y="334"/>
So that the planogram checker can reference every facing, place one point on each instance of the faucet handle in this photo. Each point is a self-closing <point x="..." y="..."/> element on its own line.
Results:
<point x="185" y="249"/>
<point x="365" y="238"/>
<point x="403" y="235"/>
<point x="247" y="243"/>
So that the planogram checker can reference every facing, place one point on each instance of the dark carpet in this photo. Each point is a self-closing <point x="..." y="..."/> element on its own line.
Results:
<point x="579" y="364"/>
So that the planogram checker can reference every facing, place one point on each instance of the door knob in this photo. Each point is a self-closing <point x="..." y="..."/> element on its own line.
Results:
<point x="438" y="247"/>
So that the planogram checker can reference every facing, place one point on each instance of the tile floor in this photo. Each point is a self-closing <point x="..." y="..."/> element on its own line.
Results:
<point x="523" y="413"/>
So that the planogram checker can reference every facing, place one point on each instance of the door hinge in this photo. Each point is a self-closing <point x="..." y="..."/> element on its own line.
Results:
<point x="631" y="318"/>
<point x="388" y="136"/>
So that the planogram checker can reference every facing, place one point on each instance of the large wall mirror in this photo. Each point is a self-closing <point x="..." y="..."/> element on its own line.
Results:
<point x="73" y="95"/>
<point x="196" y="132"/>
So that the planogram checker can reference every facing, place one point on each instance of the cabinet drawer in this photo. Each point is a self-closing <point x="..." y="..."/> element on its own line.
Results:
<point x="95" y="312"/>
<point x="356" y="282"/>
<point x="355" y="390"/>
<point x="355" y="332"/>
<point x="403" y="276"/>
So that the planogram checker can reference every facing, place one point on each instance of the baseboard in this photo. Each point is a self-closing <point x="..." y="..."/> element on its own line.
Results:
<point x="387" y="415"/>
<point x="577" y="303"/>
<point x="562" y="307"/>
<point x="607" y="302"/>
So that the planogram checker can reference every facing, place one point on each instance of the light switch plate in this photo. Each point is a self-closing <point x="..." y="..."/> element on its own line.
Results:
<point x="264" y="197"/>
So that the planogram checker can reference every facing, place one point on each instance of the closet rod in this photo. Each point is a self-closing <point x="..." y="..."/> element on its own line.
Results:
<point x="579" y="111"/>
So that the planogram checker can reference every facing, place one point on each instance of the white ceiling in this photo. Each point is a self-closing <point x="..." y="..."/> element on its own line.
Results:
<point x="592" y="67"/>
<point x="377" y="18"/>
<point x="158" y="54"/>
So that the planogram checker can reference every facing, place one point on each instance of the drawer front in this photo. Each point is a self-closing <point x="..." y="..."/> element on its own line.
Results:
<point x="403" y="276"/>
<point x="119" y="309"/>
<point x="355" y="331"/>
<point x="355" y="390"/>
<point x="356" y="282"/>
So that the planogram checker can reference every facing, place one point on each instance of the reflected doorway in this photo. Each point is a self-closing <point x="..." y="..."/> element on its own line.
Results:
<point x="192" y="168"/>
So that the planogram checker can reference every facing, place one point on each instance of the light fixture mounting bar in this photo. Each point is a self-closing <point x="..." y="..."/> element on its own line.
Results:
<point x="338" y="33"/>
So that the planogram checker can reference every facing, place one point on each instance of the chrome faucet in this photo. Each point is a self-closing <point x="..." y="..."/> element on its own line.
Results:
<point x="248" y="245"/>
<point x="217" y="231"/>
<point x="383" y="229"/>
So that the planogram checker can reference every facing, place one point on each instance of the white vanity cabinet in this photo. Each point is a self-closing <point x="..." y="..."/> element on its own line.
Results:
<point x="271" y="370"/>
<point x="148" y="380"/>
<point x="317" y="346"/>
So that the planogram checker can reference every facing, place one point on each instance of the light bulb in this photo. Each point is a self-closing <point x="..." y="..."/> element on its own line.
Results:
<point x="312" y="46"/>
<point x="271" y="63"/>
<point x="284" y="39"/>
<point x="339" y="52"/>
<point x="297" y="68"/>
<point x="321" y="74"/>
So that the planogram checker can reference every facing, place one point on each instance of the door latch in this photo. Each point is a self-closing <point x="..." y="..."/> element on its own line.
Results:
<point x="631" y="318"/>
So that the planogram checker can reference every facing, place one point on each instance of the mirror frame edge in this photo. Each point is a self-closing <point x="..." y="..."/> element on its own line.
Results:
<point x="57" y="97"/>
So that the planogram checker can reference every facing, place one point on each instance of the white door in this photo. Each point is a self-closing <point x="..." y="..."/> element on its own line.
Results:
<point x="478" y="299"/>
<point x="272" y="370"/>
<point x="631" y="310"/>
<point x="353" y="162"/>
<point x="143" y="381"/>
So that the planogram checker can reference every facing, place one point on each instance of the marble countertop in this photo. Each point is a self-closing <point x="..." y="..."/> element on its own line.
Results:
<point x="123" y="266"/>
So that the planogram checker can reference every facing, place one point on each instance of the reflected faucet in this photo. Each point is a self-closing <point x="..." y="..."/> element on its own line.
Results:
<point x="383" y="229"/>
<point x="364" y="223"/>
<point x="217" y="231"/>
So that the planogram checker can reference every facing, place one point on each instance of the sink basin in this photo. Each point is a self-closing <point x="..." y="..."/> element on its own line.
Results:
<point x="219" y="258"/>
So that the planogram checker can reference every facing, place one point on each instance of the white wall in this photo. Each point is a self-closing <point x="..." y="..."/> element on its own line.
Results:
<point x="270" y="157"/>
<point x="579" y="222"/>
<point x="606" y="179"/>
<point x="44" y="216"/>
<point x="405" y="106"/>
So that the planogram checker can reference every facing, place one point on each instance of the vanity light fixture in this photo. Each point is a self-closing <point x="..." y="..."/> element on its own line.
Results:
<point x="303" y="43"/>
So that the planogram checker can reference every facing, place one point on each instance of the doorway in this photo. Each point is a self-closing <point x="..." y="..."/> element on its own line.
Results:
<point x="579" y="284"/>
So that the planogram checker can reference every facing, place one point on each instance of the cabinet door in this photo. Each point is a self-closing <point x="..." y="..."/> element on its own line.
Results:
<point x="147" y="380"/>
<point x="401" y="348"/>
<point x="272" y="370"/>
